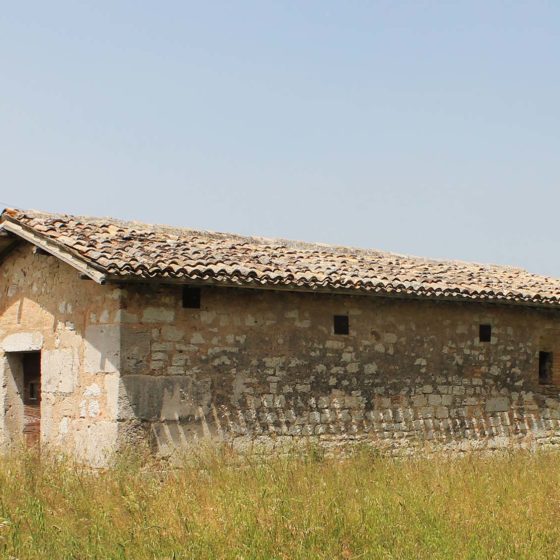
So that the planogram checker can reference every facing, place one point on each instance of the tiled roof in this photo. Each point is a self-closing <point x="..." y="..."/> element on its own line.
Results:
<point x="129" y="250"/>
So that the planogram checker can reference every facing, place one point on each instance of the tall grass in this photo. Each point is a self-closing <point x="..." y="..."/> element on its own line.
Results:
<point x="219" y="505"/>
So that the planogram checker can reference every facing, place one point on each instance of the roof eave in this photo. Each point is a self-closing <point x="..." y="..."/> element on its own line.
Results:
<point x="54" y="249"/>
<point x="458" y="298"/>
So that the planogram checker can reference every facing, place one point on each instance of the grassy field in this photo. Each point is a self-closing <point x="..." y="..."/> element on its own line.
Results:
<point x="220" y="506"/>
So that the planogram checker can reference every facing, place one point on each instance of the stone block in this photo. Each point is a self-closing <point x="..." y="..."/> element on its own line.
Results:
<point x="23" y="342"/>
<point x="419" y="400"/>
<point x="111" y="387"/>
<point x="314" y="418"/>
<point x="59" y="370"/>
<point x="434" y="400"/>
<point x="441" y="412"/>
<point x="135" y="347"/>
<point x="172" y="334"/>
<point x="497" y="404"/>
<point x="95" y="442"/>
<point x="446" y="400"/>
<point x="158" y="315"/>
<point x="102" y="349"/>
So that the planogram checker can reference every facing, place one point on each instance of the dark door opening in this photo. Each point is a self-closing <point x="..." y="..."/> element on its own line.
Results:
<point x="31" y="398"/>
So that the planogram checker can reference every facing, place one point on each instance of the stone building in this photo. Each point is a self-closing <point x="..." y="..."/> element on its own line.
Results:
<point x="111" y="331"/>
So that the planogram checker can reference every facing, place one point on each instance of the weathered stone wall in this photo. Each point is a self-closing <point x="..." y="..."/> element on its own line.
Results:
<point x="45" y="306"/>
<point x="265" y="366"/>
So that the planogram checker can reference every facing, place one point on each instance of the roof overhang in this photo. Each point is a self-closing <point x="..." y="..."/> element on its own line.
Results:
<point x="11" y="233"/>
<point x="396" y="294"/>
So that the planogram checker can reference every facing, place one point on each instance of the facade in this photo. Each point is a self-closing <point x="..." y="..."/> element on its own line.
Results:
<point x="113" y="331"/>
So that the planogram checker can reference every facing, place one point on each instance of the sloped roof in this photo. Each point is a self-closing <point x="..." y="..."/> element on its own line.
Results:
<point x="118" y="250"/>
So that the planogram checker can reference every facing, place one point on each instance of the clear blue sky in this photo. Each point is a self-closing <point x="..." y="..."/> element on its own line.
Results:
<point x="428" y="128"/>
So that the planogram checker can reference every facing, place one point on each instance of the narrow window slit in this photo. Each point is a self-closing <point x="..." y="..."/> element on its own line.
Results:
<point x="485" y="333"/>
<point x="545" y="367"/>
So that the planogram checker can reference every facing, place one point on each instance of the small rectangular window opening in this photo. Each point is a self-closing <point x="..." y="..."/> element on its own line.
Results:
<point x="545" y="367"/>
<point x="341" y="324"/>
<point x="191" y="297"/>
<point x="485" y="333"/>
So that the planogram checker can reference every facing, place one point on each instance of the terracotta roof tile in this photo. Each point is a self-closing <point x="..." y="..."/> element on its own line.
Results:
<point x="126" y="250"/>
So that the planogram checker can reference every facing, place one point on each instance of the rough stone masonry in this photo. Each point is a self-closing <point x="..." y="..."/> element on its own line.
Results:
<point x="175" y="336"/>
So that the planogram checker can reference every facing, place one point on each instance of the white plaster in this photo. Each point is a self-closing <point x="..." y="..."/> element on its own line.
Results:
<point x="102" y="349"/>
<point x="23" y="342"/>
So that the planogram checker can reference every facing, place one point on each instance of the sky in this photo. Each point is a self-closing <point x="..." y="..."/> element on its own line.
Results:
<point x="423" y="128"/>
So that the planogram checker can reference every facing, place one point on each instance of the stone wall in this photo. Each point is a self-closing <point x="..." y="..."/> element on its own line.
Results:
<point x="264" y="366"/>
<point x="45" y="306"/>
